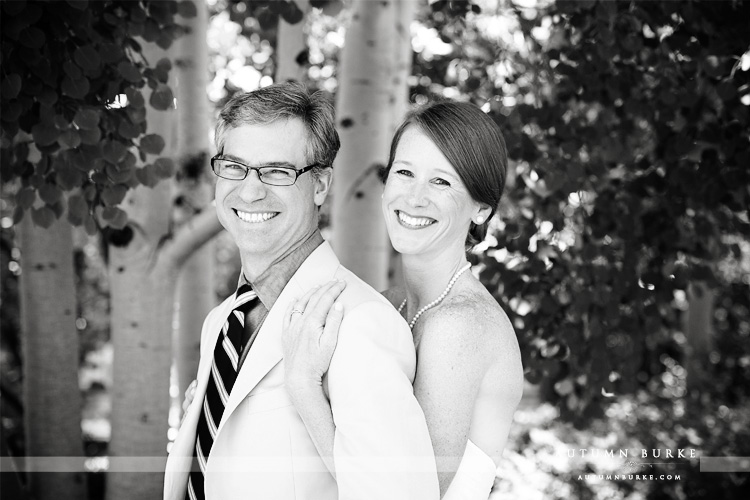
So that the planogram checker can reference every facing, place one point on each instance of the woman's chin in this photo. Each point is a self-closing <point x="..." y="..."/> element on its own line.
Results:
<point x="407" y="246"/>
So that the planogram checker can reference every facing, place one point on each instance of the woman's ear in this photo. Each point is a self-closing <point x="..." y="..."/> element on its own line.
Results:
<point x="482" y="214"/>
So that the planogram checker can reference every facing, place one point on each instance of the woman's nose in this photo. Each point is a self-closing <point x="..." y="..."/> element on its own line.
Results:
<point x="418" y="195"/>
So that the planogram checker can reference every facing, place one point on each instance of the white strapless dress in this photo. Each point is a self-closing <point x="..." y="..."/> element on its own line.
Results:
<point x="474" y="477"/>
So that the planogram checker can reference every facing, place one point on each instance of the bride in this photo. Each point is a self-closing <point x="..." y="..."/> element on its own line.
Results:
<point x="444" y="179"/>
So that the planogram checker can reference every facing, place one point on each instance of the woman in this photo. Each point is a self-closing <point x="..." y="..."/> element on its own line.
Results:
<point x="445" y="175"/>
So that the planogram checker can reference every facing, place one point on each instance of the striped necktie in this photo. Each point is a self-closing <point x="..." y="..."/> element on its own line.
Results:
<point x="224" y="369"/>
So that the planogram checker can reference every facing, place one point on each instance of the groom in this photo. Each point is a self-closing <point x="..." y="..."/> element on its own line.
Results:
<point x="241" y="434"/>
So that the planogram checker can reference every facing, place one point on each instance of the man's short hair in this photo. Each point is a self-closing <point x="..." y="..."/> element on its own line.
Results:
<point x="284" y="101"/>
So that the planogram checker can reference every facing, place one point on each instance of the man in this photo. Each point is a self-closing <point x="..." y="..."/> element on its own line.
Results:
<point x="275" y="150"/>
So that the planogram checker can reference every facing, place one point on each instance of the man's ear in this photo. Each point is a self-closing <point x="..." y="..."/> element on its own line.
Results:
<point x="322" y="184"/>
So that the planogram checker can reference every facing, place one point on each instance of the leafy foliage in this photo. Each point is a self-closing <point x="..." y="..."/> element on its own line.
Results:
<point x="73" y="107"/>
<point x="629" y="138"/>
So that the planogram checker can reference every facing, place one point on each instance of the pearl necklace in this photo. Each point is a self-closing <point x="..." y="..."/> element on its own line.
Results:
<point x="437" y="300"/>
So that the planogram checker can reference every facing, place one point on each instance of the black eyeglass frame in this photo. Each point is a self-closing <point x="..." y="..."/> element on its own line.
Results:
<point x="248" y="168"/>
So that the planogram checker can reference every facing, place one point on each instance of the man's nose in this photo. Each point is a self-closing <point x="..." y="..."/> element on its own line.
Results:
<point x="251" y="188"/>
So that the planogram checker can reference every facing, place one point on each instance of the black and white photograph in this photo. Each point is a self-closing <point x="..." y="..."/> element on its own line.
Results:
<point x="374" y="249"/>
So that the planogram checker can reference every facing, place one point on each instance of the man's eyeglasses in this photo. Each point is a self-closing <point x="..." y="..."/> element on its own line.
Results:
<point x="272" y="175"/>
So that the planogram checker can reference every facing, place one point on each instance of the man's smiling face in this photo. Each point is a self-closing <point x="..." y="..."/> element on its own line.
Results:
<point x="267" y="221"/>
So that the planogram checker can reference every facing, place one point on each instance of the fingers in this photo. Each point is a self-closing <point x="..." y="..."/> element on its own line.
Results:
<point x="331" y="331"/>
<point x="321" y="301"/>
<point x="299" y="305"/>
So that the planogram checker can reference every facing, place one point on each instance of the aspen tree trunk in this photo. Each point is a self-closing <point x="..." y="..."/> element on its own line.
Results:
<point x="195" y="287"/>
<point x="404" y="53"/>
<point x="52" y="398"/>
<point x="291" y="43"/>
<point x="364" y="117"/>
<point x="143" y="277"/>
<point x="142" y="297"/>
<point x="698" y="328"/>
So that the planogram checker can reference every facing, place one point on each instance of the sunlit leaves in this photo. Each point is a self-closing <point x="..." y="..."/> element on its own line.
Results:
<point x="152" y="144"/>
<point x="626" y="185"/>
<point x="129" y="71"/>
<point x="66" y="66"/>
<point x="161" y="97"/>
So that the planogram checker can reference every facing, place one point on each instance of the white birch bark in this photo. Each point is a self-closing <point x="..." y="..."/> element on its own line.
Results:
<point x="195" y="287"/>
<point x="291" y="41"/>
<point x="364" y="118"/>
<point x="143" y="276"/>
<point x="52" y="398"/>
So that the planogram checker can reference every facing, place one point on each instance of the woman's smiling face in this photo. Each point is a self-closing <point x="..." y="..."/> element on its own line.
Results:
<point x="425" y="204"/>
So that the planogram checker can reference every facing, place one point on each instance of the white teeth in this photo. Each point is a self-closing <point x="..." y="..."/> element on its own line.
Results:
<point x="414" y="221"/>
<point x="255" y="217"/>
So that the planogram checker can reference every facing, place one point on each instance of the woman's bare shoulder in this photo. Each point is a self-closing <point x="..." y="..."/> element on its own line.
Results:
<point x="472" y="320"/>
<point x="395" y="295"/>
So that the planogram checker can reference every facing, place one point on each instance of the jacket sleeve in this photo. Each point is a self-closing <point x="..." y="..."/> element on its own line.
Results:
<point x="381" y="448"/>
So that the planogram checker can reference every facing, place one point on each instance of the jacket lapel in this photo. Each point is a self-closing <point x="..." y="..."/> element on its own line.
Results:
<point x="266" y="352"/>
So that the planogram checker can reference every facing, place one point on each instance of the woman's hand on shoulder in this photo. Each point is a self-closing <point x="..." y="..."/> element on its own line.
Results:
<point x="309" y="336"/>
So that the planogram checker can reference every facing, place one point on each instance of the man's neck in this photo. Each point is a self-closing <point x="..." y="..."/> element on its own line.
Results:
<point x="269" y="282"/>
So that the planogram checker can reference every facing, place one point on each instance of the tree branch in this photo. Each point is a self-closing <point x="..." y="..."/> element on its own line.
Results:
<point x="191" y="236"/>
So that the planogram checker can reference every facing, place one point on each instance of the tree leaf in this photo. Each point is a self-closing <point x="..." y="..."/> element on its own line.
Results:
<point x="90" y="137"/>
<point x="187" y="9"/>
<point x="50" y="194"/>
<point x="113" y="195"/>
<point x="115" y="217"/>
<point x="87" y="119"/>
<point x="89" y="224"/>
<point x="128" y="130"/>
<point x="73" y="71"/>
<point x="68" y="178"/>
<point x="11" y="86"/>
<point x="162" y="98"/>
<point x="292" y="14"/>
<point x="61" y="123"/>
<point x="120" y="174"/>
<point x="78" y="209"/>
<point x="164" y="167"/>
<point x="110" y="53"/>
<point x="43" y="217"/>
<point x="26" y="197"/>
<point x="135" y="98"/>
<point x="114" y="151"/>
<point x="129" y="71"/>
<point x="147" y="176"/>
<point x="152" y="144"/>
<point x="44" y="135"/>
<point x="77" y="89"/>
<point x="78" y="4"/>
<point x="69" y="139"/>
<point x="87" y="58"/>
<point x="32" y="37"/>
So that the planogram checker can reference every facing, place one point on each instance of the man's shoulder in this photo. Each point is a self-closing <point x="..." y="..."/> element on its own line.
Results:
<point x="358" y="291"/>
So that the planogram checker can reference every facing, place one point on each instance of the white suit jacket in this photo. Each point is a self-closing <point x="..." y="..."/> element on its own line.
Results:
<point x="262" y="450"/>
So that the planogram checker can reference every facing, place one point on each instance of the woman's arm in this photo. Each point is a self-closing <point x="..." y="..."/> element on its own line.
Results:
<point x="309" y="339"/>
<point x="459" y="346"/>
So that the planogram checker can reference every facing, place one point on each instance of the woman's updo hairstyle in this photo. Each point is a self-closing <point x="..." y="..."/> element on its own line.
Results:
<point x="472" y="143"/>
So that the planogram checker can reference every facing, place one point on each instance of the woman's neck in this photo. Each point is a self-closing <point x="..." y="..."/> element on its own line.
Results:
<point x="427" y="276"/>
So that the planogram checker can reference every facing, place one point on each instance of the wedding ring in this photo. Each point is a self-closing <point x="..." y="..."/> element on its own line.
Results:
<point x="297" y="311"/>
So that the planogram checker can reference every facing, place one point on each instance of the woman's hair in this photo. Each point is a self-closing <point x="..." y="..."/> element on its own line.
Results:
<point x="284" y="101"/>
<point x="472" y="143"/>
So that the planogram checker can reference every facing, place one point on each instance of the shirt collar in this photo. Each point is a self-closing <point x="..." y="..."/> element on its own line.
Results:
<point x="272" y="281"/>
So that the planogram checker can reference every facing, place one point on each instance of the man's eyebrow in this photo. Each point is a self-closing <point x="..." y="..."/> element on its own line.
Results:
<point x="268" y="164"/>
